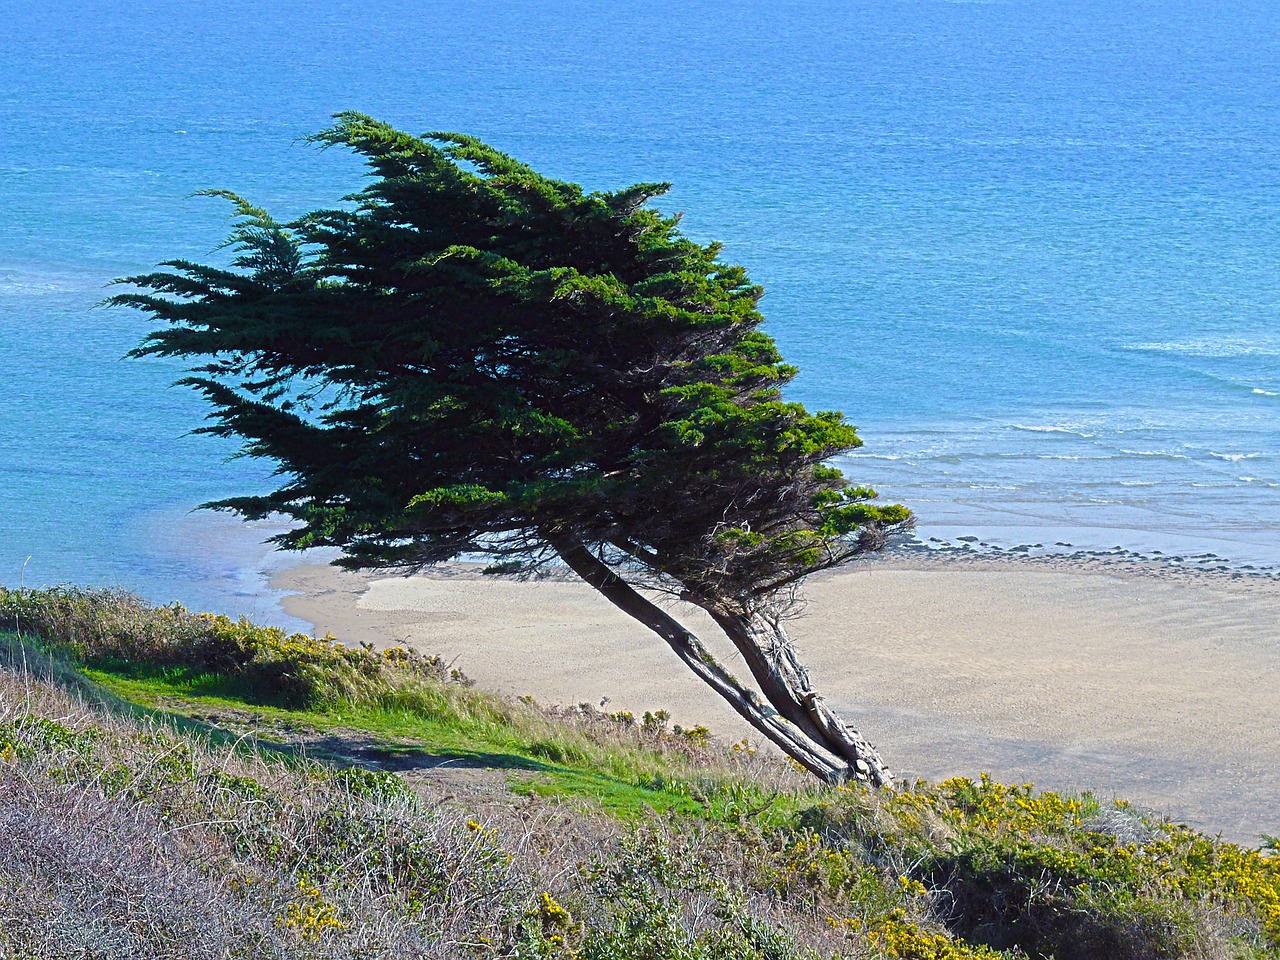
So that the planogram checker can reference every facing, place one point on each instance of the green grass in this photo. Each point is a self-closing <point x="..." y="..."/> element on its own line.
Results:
<point x="630" y="773"/>
<point x="168" y="659"/>
<point x="691" y="829"/>
<point x="624" y="777"/>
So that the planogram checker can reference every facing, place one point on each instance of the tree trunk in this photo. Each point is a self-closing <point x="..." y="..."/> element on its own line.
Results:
<point x="771" y="658"/>
<point x="795" y="718"/>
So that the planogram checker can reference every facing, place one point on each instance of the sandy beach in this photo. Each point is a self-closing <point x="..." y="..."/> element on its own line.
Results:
<point x="1133" y="680"/>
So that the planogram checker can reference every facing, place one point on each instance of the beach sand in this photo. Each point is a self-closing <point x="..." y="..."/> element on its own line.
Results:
<point x="1133" y="680"/>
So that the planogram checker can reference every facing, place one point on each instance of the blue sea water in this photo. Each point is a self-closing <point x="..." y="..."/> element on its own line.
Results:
<point x="1030" y="247"/>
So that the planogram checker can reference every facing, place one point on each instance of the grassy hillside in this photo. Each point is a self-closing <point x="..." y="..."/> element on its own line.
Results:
<point x="175" y="785"/>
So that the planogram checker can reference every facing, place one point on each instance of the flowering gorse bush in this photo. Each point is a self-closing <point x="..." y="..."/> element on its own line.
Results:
<point x="1008" y="867"/>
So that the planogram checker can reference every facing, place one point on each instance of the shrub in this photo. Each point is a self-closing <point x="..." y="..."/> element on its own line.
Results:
<point x="269" y="665"/>
<point x="1062" y="876"/>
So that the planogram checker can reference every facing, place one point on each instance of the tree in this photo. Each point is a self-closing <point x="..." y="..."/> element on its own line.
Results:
<point x="469" y="357"/>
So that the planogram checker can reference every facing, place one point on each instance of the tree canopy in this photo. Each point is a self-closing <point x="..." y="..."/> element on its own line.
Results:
<point x="469" y="357"/>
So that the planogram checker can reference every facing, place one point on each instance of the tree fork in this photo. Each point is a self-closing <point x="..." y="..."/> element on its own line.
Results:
<point x="785" y="683"/>
<point x="831" y="759"/>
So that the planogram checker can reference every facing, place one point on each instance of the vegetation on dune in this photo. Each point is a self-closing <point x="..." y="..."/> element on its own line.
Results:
<point x="134" y="833"/>
<point x="167" y="656"/>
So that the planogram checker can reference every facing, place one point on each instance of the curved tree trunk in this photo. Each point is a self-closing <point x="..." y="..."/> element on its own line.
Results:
<point x="795" y="718"/>
<point x="771" y="658"/>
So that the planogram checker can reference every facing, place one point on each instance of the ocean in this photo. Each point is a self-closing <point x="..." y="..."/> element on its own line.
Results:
<point x="1031" y="248"/>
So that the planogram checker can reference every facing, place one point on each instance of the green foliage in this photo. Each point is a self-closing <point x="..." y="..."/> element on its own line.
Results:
<point x="41" y="736"/>
<point x="645" y="893"/>
<point x="1060" y="876"/>
<point x="108" y="629"/>
<point x="473" y="356"/>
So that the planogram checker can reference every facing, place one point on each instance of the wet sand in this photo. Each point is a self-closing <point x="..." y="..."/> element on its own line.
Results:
<point x="1133" y="680"/>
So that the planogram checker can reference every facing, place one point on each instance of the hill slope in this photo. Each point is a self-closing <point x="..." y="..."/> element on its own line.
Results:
<point x="175" y="785"/>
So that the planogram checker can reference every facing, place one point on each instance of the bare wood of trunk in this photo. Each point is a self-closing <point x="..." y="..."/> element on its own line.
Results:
<point x="793" y="739"/>
<point x="771" y="658"/>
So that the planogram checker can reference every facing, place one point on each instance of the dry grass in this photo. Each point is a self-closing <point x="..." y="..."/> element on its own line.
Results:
<point x="129" y="838"/>
<point x="125" y="836"/>
<point x="122" y="839"/>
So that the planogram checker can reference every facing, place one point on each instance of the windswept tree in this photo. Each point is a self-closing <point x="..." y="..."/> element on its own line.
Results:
<point x="470" y="357"/>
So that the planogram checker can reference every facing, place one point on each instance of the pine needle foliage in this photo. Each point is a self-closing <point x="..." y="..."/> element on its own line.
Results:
<point x="469" y="356"/>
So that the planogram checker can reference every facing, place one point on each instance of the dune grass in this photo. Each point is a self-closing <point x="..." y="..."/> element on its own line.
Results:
<point x="621" y="765"/>
<point x="132" y="823"/>
<point x="168" y="659"/>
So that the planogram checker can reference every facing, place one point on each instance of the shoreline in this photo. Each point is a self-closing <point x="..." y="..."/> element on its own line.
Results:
<point x="1128" y="678"/>
<point x="1151" y="562"/>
